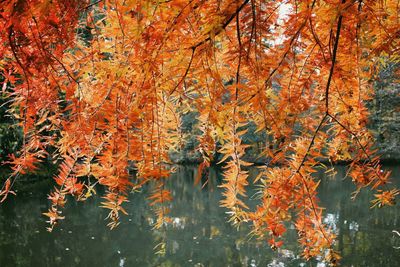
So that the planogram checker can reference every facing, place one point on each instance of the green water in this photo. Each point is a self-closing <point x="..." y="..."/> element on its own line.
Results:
<point x="198" y="236"/>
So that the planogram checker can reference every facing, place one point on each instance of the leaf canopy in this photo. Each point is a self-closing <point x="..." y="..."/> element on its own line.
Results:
<point x="101" y="88"/>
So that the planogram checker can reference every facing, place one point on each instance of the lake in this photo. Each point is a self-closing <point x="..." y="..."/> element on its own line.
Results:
<point x="199" y="234"/>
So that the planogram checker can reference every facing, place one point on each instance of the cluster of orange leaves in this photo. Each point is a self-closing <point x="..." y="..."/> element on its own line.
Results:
<point x="109" y="103"/>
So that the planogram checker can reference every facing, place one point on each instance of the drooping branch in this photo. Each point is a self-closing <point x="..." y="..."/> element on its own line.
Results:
<point x="335" y="49"/>
<point x="185" y="74"/>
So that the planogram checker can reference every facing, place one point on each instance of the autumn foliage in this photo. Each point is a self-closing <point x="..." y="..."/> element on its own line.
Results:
<point x="100" y="88"/>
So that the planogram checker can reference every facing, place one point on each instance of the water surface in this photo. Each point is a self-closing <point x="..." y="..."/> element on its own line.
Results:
<point x="198" y="236"/>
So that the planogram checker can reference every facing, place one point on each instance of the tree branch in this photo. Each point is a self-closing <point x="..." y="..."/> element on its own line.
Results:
<point x="224" y="25"/>
<point x="335" y="48"/>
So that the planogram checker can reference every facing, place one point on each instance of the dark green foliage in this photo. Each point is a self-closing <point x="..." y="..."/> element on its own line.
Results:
<point x="10" y="133"/>
<point x="189" y="134"/>
<point x="385" y="111"/>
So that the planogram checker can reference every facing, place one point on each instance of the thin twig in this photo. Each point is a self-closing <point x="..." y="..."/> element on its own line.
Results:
<point x="185" y="74"/>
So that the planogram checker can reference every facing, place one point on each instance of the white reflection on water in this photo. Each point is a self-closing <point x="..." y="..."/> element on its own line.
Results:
<point x="276" y="263"/>
<point x="353" y="226"/>
<point x="285" y="253"/>
<point x="331" y="220"/>
<point x="178" y="222"/>
<point x="121" y="262"/>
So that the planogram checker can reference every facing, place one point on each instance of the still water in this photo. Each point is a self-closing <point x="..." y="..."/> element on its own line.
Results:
<point x="198" y="236"/>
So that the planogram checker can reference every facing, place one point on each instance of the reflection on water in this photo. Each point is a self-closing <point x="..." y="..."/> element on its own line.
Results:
<point x="197" y="236"/>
